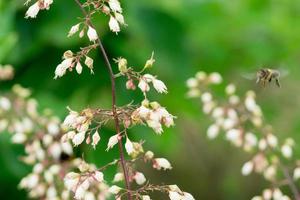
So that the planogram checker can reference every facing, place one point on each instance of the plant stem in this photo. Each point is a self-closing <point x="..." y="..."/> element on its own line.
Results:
<point x="113" y="93"/>
<point x="290" y="182"/>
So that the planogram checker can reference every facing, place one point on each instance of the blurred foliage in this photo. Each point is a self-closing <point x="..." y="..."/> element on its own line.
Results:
<point x="231" y="37"/>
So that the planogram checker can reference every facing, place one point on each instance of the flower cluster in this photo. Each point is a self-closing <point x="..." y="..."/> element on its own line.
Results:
<point x="71" y="61"/>
<point x="111" y="8"/>
<point x="242" y="122"/>
<point x="34" y="9"/>
<point x="6" y="72"/>
<point x="85" y="180"/>
<point x="151" y="113"/>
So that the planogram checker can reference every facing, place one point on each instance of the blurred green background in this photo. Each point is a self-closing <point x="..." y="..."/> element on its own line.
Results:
<point x="231" y="37"/>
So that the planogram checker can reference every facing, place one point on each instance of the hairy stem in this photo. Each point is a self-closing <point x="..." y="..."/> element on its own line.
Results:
<point x="114" y="108"/>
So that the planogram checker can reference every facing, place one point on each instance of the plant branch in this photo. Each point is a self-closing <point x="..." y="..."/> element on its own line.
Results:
<point x="290" y="182"/>
<point x="113" y="93"/>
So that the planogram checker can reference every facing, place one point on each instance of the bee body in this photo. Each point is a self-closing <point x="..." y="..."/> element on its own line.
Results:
<point x="266" y="75"/>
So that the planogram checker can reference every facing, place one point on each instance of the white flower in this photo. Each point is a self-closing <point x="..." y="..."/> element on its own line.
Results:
<point x="55" y="150"/>
<point x="67" y="148"/>
<point x="115" y="6"/>
<point x="175" y="196"/>
<point x="155" y="125"/>
<point x="213" y="131"/>
<point x="267" y="194"/>
<point x="247" y="168"/>
<point x="113" y="140"/>
<point x="74" y="29"/>
<point x="146" y="197"/>
<point x="120" y="18"/>
<point x="33" y="10"/>
<point x="19" y="138"/>
<point x="143" y="85"/>
<point x="80" y="192"/>
<point x="159" y="86"/>
<point x="129" y="147"/>
<point x="215" y="78"/>
<point x="187" y="196"/>
<point x="99" y="176"/>
<point x="272" y="140"/>
<point x="139" y="178"/>
<point x="257" y="198"/>
<point x="114" y="25"/>
<point x="161" y="163"/>
<point x="47" y="3"/>
<point x="270" y="173"/>
<point x="206" y="97"/>
<point x="5" y="103"/>
<point x="78" y="138"/>
<point x="78" y="68"/>
<point x="230" y="89"/>
<point x="277" y="194"/>
<point x="92" y="34"/>
<point x="89" y="62"/>
<point x="296" y="174"/>
<point x="287" y="151"/>
<point x="201" y="76"/>
<point x="118" y="177"/>
<point x="96" y="139"/>
<point x="192" y="83"/>
<point x="114" y="189"/>
<point x="60" y="71"/>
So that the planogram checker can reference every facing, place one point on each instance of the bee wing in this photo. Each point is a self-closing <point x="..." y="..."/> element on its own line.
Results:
<point x="249" y="76"/>
<point x="284" y="72"/>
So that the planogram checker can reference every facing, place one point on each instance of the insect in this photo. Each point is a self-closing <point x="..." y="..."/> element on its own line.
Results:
<point x="267" y="75"/>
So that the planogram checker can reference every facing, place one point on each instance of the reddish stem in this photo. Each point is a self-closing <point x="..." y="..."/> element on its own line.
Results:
<point x="114" y="109"/>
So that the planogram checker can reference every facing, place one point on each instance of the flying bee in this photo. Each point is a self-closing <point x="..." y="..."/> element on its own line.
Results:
<point x="267" y="75"/>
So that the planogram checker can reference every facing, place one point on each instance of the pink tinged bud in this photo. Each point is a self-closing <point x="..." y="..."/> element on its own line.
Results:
<point x="79" y="193"/>
<point x="96" y="139"/>
<point x="89" y="62"/>
<point x="81" y="34"/>
<point x="215" y="78"/>
<point x="161" y="163"/>
<point x="74" y="29"/>
<point x="113" y="140"/>
<point x="71" y="180"/>
<point x="105" y="9"/>
<point x="33" y="10"/>
<point x="115" y="6"/>
<point x="78" y="68"/>
<point x="139" y="178"/>
<point x="78" y="138"/>
<point x="99" y="176"/>
<point x="129" y="147"/>
<point x="92" y="34"/>
<point x="143" y="85"/>
<point x="130" y="85"/>
<point x="159" y="86"/>
<point x="114" y="25"/>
